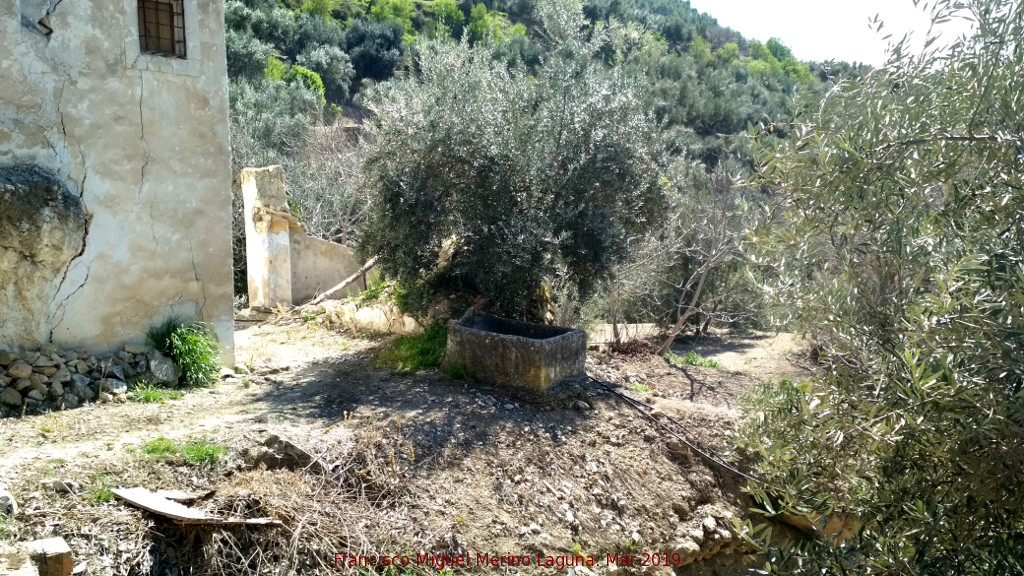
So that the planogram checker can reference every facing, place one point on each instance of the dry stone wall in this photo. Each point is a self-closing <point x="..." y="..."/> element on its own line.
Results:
<point x="54" y="379"/>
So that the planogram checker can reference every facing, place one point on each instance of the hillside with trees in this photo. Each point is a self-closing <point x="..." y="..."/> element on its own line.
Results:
<point x="301" y="72"/>
<point x="632" y="160"/>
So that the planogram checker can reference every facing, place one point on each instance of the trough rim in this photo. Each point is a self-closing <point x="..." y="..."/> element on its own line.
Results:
<point x="533" y="342"/>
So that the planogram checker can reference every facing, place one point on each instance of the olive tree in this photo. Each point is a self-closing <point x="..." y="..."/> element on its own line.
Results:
<point x="492" y="180"/>
<point x="897" y="239"/>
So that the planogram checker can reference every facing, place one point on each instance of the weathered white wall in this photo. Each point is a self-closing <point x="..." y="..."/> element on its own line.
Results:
<point x="319" y="265"/>
<point x="142" y="140"/>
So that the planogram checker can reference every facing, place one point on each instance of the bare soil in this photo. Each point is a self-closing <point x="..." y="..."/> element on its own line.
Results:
<point x="401" y="463"/>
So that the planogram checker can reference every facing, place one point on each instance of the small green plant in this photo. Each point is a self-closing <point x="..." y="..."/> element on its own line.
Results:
<point x="192" y="346"/>
<point x="99" y="489"/>
<point x="147" y="393"/>
<point x="6" y="532"/>
<point x="640" y="387"/>
<point x="634" y="546"/>
<point x="196" y="451"/>
<point x="160" y="447"/>
<point x="691" y="359"/>
<point x="577" y="550"/>
<point x="411" y="353"/>
<point x="203" y="451"/>
<point x="310" y="317"/>
<point x="374" y="289"/>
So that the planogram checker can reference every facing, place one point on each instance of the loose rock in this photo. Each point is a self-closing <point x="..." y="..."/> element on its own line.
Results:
<point x="63" y="375"/>
<point x="709" y="525"/>
<point x="60" y="485"/>
<point x="113" y="386"/>
<point x="163" y="369"/>
<point x="51" y="350"/>
<point x="8" y="505"/>
<point x="10" y="397"/>
<point x="20" y="369"/>
<point x="45" y="370"/>
<point x="688" y="551"/>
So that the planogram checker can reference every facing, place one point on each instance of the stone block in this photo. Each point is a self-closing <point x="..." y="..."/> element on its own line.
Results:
<point x="520" y="355"/>
<point x="51" y="556"/>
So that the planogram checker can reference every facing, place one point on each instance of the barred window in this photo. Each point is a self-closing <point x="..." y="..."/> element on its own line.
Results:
<point x="162" y="27"/>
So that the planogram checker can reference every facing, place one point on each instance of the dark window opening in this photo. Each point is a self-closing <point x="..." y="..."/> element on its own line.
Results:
<point x="162" y="27"/>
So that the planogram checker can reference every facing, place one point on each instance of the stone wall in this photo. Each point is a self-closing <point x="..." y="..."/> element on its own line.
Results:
<point x="285" y="265"/>
<point x="132" y="153"/>
<point x="54" y="379"/>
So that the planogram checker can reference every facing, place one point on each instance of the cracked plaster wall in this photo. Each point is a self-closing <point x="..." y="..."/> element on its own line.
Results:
<point x="142" y="141"/>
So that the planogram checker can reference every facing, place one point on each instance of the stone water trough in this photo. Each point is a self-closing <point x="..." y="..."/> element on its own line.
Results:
<point x="528" y="357"/>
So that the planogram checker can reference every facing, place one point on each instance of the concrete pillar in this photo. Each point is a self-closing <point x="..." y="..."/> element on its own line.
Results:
<point x="267" y="238"/>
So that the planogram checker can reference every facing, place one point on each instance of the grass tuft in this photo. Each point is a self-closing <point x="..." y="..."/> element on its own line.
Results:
<point x="160" y="447"/>
<point x="411" y="353"/>
<point x="691" y="359"/>
<point x="151" y="394"/>
<point x="203" y="451"/>
<point x="195" y="452"/>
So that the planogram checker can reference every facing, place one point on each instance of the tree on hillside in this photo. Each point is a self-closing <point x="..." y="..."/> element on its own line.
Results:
<point x="375" y="48"/>
<point x="490" y="180"/>
<point x="897" y="241"/>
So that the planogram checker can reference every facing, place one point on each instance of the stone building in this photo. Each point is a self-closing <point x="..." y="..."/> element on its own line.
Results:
<point x="115" y="182"/>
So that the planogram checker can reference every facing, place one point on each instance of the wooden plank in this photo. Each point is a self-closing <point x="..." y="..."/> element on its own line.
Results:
<point x="157" y="504"/>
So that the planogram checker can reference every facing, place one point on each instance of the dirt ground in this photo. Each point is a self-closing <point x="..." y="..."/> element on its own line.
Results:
<point x="391" y="464"/>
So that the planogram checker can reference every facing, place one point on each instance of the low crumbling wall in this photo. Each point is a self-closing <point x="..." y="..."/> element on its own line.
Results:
<point x="318" y="265"/>
<point x="381" y="318"/>
<point x="284" y="264"/>
<point x="531" y="357"/>
<point x="50" y="378"/>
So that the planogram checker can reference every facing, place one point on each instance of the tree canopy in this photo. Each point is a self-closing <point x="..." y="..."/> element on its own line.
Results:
<point x="897" y="240"/>
<point x="494" y="179"/>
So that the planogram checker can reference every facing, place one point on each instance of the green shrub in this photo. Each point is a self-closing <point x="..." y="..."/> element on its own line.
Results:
<point x="462" y="168"/>
<point x="334" y="68"/>
<point x="192" y="346"/>
<point x="309" y="79"/>
<point x="275" y="70"/>
<point x="411" y="353"/>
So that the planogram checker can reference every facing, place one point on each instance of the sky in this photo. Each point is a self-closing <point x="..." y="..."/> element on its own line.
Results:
<point x="820" y="30"/>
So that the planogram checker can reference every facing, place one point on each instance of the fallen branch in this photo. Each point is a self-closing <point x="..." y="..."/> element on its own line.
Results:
<point x="344" y="283"/>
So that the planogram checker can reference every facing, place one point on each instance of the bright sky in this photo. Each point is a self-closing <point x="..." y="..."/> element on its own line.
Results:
<point x="827" y="29"/>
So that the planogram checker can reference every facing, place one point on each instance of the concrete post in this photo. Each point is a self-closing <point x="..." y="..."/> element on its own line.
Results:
<point x="267" y="238"/>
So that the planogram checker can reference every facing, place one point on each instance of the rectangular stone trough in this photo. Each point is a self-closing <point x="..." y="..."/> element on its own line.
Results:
<point x="524" y="356"/>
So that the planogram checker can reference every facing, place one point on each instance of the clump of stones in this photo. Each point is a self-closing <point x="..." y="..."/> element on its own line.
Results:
<point x="51" y="379"/>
